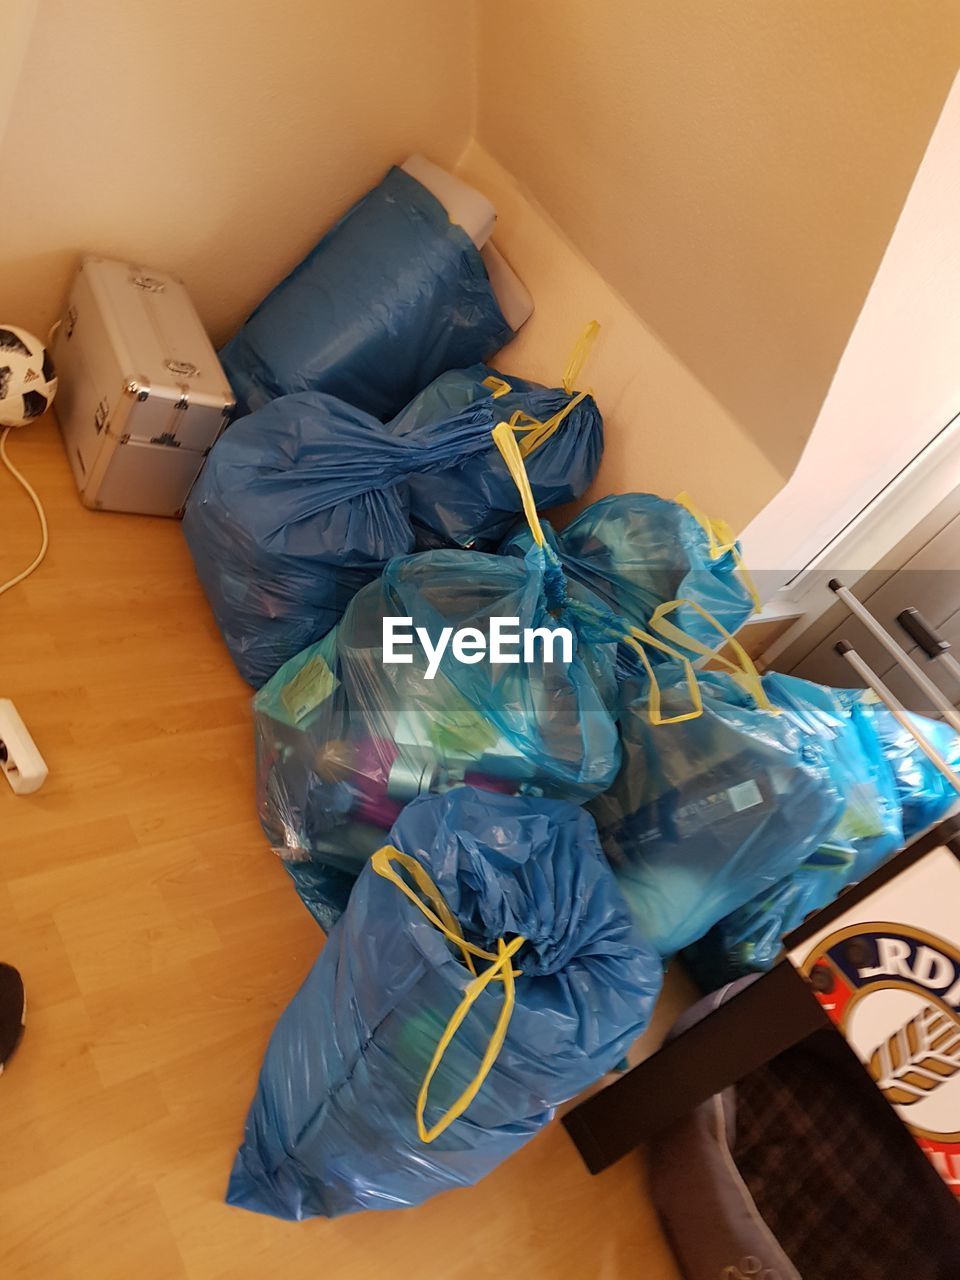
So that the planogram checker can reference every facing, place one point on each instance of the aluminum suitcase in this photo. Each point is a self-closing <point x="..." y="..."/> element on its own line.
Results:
<point x="142" y="396"/>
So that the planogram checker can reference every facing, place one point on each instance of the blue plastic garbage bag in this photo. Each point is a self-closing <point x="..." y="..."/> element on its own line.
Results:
<point x="345" y="739"/>
<point x="390" y="298"/>
<point x="750" y="939"/>
<point x="709" y="811"/>
<point x="298" y="507"/>
<point x="334" y="1126"/>
<point x="871" y="822"/>
<point x="637" y="552"/>
<point x="924" y="793"/>
<point x="476" y="503"/>
<point x="869" y="831"/>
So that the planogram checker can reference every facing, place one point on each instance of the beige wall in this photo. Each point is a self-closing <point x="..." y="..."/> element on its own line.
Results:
<point x="733" y="168"/>
<point x="17" y="18"/>
<point x="216" y="138"/>
<point x="663" y="429"/>
<point x="719" y="179"/>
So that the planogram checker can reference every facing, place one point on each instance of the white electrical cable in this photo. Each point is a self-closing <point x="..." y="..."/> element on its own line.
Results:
<point x="45" y="540"/>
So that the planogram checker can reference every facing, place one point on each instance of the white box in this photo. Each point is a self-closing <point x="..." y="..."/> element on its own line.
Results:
<point x="142" y="396"/>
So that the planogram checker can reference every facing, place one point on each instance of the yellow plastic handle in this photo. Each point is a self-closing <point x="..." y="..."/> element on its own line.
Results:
<point x="500" y="970"/>
<point x="744" y="669"/>
<point x="499" y="386"/>
<point x="721" y="539"/>
<point x="637" y="639"/>
<point x="578" y="356"/>
<point x="506" y="442"/>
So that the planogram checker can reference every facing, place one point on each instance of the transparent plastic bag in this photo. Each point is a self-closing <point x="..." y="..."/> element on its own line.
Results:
<point x="713" y="805"/>
<point x="925" y="794"/>
<point x="345" y="740"/>
<point x="638" y="553"/>
<point x="869" y="830"/>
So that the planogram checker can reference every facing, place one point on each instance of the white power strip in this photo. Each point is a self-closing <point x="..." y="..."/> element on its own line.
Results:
<point x="20" y="761"/>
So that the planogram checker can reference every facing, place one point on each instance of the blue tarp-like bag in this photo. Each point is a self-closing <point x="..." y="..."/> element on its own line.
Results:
<point x="345" y="739"/>
<point x="868" y="831"/>
<point x="390" y="298"/>
<point x="711" y="810"/>
<point x="476" y="503"/>
<point x="299" y="506"/>
<point x="871" y="822"/>
<point x="335" y="1126"/>
<point x="749" y="939"/>
<point x="637" y="552"/>
<point x="924" y="793"/>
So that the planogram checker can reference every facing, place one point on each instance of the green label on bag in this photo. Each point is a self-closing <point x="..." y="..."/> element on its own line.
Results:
<point x="313" y="683"/>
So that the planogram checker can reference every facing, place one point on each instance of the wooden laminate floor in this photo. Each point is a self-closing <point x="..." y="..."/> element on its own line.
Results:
<point x="159" y="940"/>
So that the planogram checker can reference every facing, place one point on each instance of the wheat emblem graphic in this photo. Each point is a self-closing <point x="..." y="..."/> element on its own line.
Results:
<point x="918" y="1058"/>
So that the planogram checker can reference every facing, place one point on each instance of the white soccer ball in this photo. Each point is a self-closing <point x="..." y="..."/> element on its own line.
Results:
<point x="28" y="382"/>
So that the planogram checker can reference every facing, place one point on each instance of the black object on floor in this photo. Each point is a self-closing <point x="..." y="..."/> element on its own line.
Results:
<point x="12" y="1011"/>
<point x="800" y="1171"/>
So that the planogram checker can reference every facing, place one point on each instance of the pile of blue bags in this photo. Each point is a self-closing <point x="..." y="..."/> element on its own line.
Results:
<point x="891" y="791"/>
<point x="503" y="852"/>
<point x="344" y="739"/>
<point x="365" y="428"/>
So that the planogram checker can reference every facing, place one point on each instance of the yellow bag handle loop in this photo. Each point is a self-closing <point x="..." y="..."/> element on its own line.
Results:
<point x="578" y="356"/>
<point x="501" y="970"/>
<point x="744" y="669"/>
<point x="506" y="442"/>
<point x="637" y="639"/>
<point x="499" y="386"/>
<point x="721" y="539"/>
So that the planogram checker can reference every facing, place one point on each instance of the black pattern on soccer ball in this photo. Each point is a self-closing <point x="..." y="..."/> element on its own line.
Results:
<point x="10" y="342"/>
<point x="5" y="375"/>
<point x="33" y="404"/>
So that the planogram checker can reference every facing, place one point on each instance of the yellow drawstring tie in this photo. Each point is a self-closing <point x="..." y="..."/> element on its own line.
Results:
<point x="637" y="640"/>
<point x="534" y="432"/>
<point x="537" y="431"/>
<point x="578" y="356"/>
<point x="499" y="970"/>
